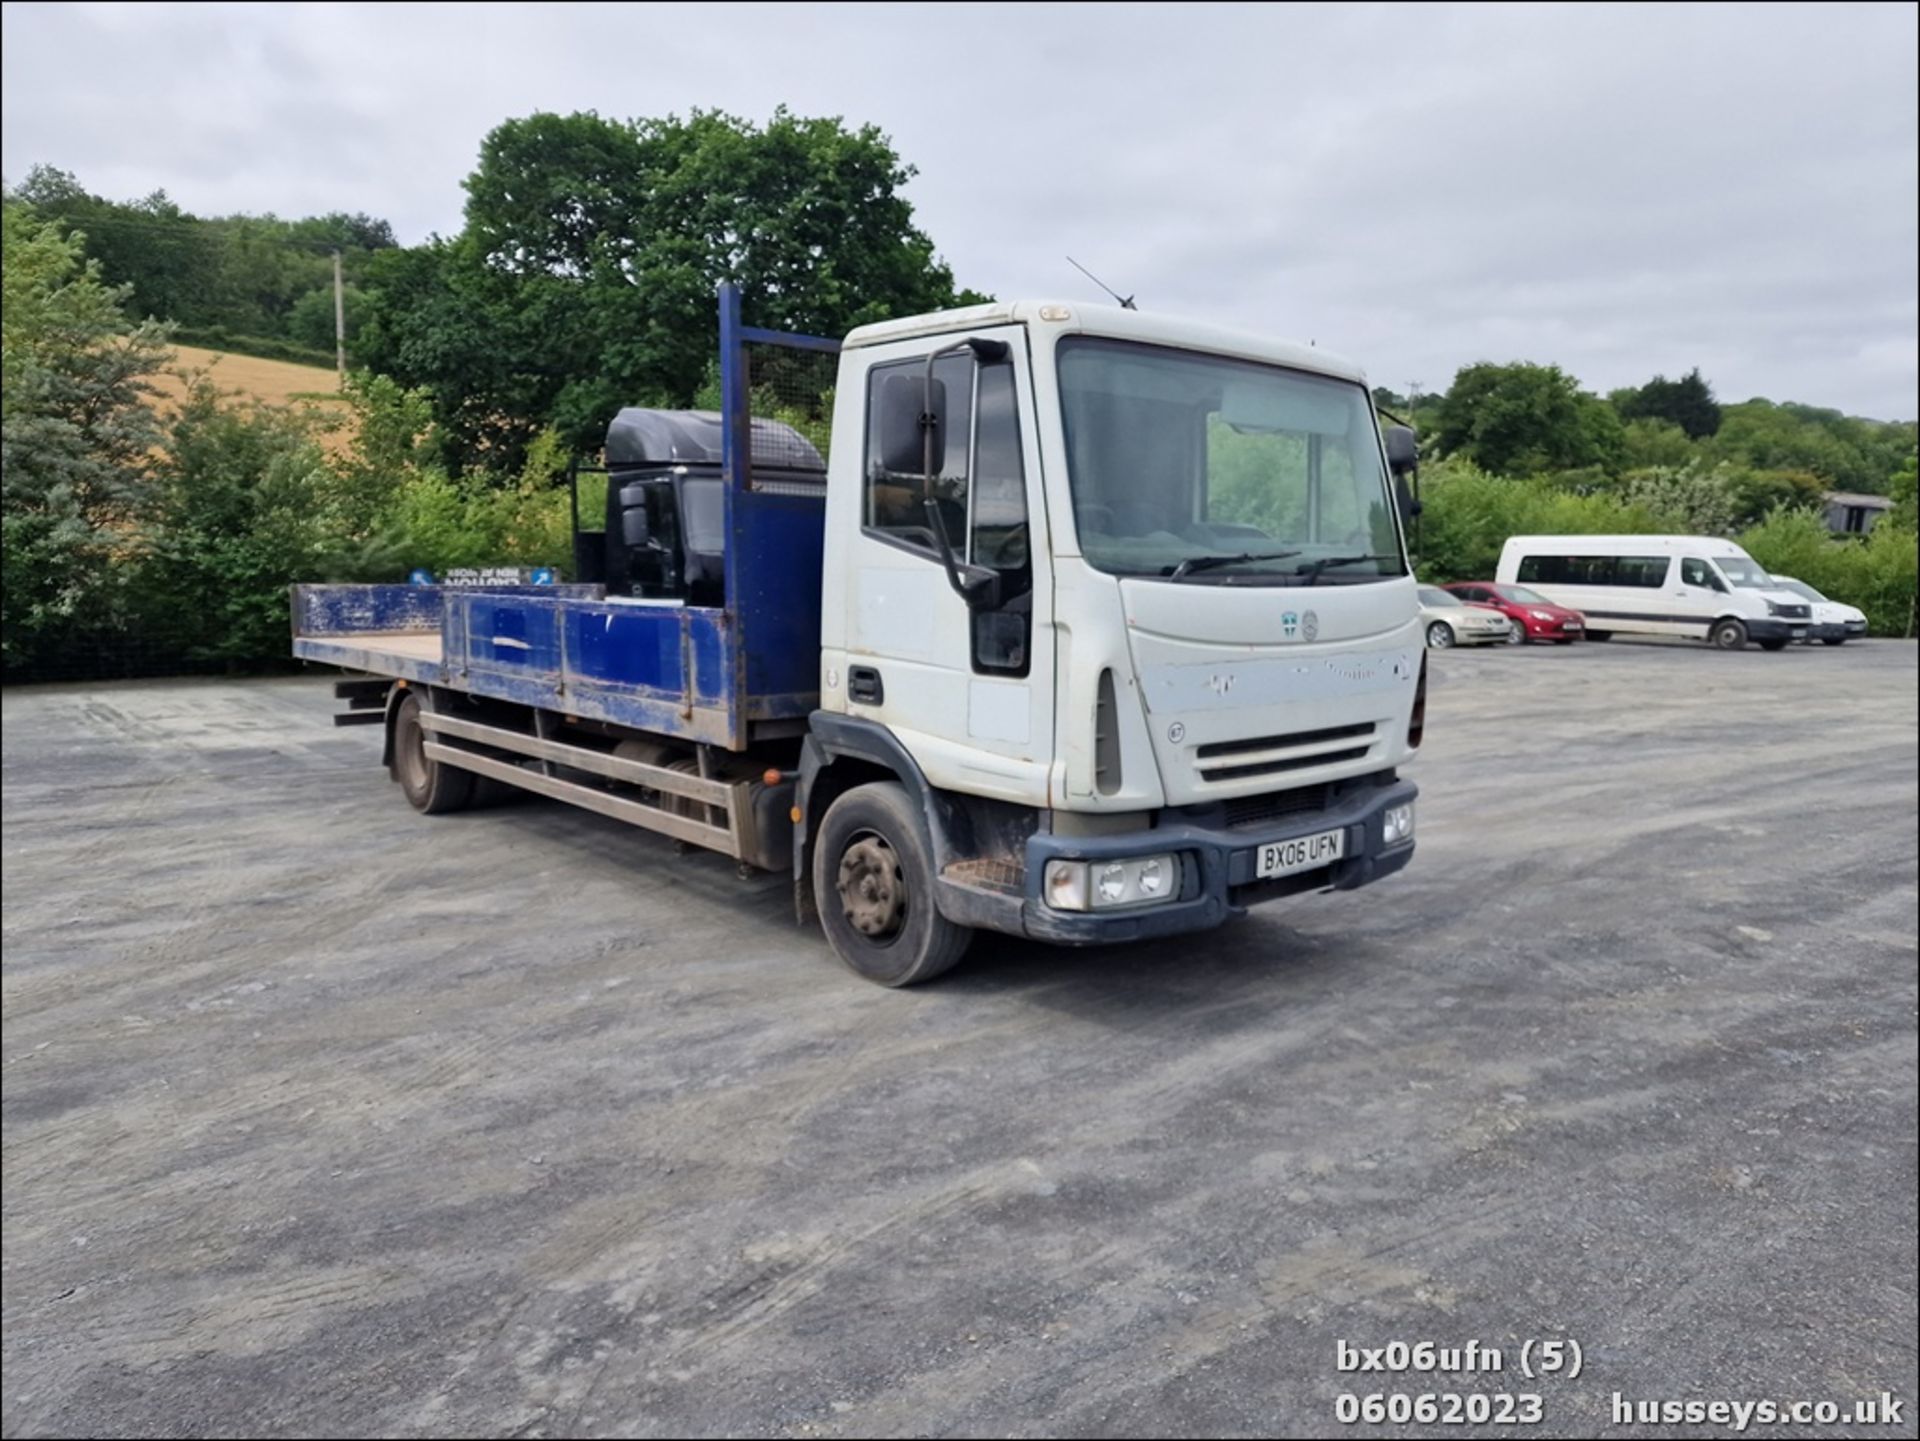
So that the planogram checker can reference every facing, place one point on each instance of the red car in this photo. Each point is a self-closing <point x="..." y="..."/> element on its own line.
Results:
<point x="1534" y="617"/>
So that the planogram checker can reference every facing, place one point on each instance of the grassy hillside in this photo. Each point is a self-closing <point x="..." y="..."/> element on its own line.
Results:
<point x="274" y="382"/>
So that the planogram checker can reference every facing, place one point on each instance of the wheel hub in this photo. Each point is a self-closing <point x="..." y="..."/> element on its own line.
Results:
<point x="873" y="888"/>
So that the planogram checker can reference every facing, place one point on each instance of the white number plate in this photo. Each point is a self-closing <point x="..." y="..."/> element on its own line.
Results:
<point x="1283" y="858"/>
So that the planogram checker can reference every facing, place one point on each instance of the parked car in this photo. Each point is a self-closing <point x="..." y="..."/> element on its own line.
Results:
<point x="1449" y="622"/>
<point x="1534" y="617"/>
<point x="1833" y="623"/>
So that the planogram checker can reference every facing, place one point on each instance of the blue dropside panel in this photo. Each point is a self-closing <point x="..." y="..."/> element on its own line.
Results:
<point x="662" y="668"/>
<point x="329" y="610"/>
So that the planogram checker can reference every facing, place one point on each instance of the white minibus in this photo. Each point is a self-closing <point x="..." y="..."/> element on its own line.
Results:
<point x="1680" y="585"/>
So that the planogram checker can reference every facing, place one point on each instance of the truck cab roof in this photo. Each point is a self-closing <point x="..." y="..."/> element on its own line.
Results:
<point x="1078" y="318"/>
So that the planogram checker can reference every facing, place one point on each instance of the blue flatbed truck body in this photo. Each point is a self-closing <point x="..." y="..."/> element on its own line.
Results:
<point x="675" y="670"/>
<point x="721" y="675"/>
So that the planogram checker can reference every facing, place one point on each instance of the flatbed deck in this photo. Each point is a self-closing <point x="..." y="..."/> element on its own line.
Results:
<point x="412" y="655"/>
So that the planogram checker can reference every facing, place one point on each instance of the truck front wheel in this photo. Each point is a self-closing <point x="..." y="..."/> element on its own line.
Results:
<point x="430" y="787"/>
<point x="873" y="885"/>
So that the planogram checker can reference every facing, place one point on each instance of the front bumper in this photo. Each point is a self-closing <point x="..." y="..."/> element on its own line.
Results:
<point x="1774" y="628"/>
<point x="1217" y="867"/>
<point x="1555" y="629"/>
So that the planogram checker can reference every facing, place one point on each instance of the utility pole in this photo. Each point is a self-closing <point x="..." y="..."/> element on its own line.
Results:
<point x="1413" y="398"/>
<point x="339" y="321"/>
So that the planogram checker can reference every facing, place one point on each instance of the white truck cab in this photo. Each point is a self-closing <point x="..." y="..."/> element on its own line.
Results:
<point x="1176" y="657"/>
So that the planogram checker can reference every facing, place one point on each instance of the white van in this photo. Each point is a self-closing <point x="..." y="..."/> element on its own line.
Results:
<point x="1681" y="585"/>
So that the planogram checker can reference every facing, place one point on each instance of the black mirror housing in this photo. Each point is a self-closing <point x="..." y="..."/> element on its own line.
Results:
<point x="902" y="440"/>
<point x="1403" y="450"/>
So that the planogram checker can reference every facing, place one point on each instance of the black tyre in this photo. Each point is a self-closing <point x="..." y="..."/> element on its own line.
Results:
<point x="1773" y="644"/>
<point x="1833" y="640"/>
<point x="430" y="787"/>
<point x="873" y="885"/>
<point x="1727" y="635"/>
<point x="1517" y="634"/>
<point x="1599" y="635"/>
<point x="1439" y="636"/>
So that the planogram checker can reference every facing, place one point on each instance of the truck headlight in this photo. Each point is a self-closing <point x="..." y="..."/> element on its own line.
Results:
<point x="1105" y="885"/>
<point x="1772" y="609"/>
<point x="1397" y="824"/>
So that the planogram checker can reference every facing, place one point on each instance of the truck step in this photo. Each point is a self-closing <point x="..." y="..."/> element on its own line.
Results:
<point x="987" y="873"/>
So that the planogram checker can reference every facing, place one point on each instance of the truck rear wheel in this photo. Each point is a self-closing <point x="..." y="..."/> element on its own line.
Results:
<point x="430" y="787"/>
<point x="873" y="885"/>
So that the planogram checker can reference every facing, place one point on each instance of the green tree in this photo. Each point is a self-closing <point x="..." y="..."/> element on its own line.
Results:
<point x="76" y="434"/>
<point x="1522" y="419"/>
<point x="1470" y="513"/>
<point x="1690" y="499"/>
<point x="585" y="275"/>
<point x="1651" y="442"/>
<point x="310" y="321"/>
<point x="1901" y="491"/>
<point x="246" y="504"/>
<point x="243" y="275"/>
<point x="1687" y="402"/>
<point x="1846" y="452"/>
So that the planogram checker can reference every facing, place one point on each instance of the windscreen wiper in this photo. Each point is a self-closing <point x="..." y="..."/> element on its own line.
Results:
<point x="1213" y="562"/>
<point x="1310" y="572"/>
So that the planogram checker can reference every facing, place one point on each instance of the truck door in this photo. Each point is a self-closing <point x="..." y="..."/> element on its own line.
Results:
<point x="967" y="689"/>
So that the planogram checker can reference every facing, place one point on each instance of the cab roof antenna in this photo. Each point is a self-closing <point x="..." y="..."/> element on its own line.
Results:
<point x="1126" y="301"/>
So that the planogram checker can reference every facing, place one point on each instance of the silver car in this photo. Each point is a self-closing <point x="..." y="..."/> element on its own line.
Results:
<point x="1448" y="621"/>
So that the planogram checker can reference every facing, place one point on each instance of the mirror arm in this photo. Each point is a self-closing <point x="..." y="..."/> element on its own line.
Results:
<point x="985" y="596"/>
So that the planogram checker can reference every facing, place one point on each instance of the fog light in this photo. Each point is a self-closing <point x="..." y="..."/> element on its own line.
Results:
<point x="1113" y="883"/>
<point x="1066" y="885"/>
<point x="1397" y="824"/>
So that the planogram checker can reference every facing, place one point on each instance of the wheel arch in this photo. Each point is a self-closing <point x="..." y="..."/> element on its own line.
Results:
<point x="842" y="752"/>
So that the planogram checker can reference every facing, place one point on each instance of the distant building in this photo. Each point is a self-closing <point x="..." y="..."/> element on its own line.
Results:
<point x="1850" y="514"/>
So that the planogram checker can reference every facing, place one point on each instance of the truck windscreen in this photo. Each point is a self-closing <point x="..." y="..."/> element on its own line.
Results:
<point x="1176" y="456"/>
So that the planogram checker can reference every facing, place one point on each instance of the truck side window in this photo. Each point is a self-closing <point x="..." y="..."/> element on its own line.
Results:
<point x="997" y="537"/>
<point x="895" y="503"/>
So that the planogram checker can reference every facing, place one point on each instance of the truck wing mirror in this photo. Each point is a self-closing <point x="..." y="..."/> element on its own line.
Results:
<point x="903" y="442"/>
<point x="1403" y="451"/>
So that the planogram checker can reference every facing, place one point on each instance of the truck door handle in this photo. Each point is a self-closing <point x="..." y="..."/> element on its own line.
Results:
<point x="863" y="685"/>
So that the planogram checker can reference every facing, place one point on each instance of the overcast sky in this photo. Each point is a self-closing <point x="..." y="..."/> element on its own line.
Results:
<point x="1618" y="190"/>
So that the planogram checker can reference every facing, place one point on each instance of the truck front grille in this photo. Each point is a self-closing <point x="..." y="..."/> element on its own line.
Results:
<point x="1286" y="742"/>
<point x="1245" y="811"/>
<point x="1275" y="755"/>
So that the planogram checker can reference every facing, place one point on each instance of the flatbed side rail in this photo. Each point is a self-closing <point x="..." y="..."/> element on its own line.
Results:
<point x="717" y="814"/>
